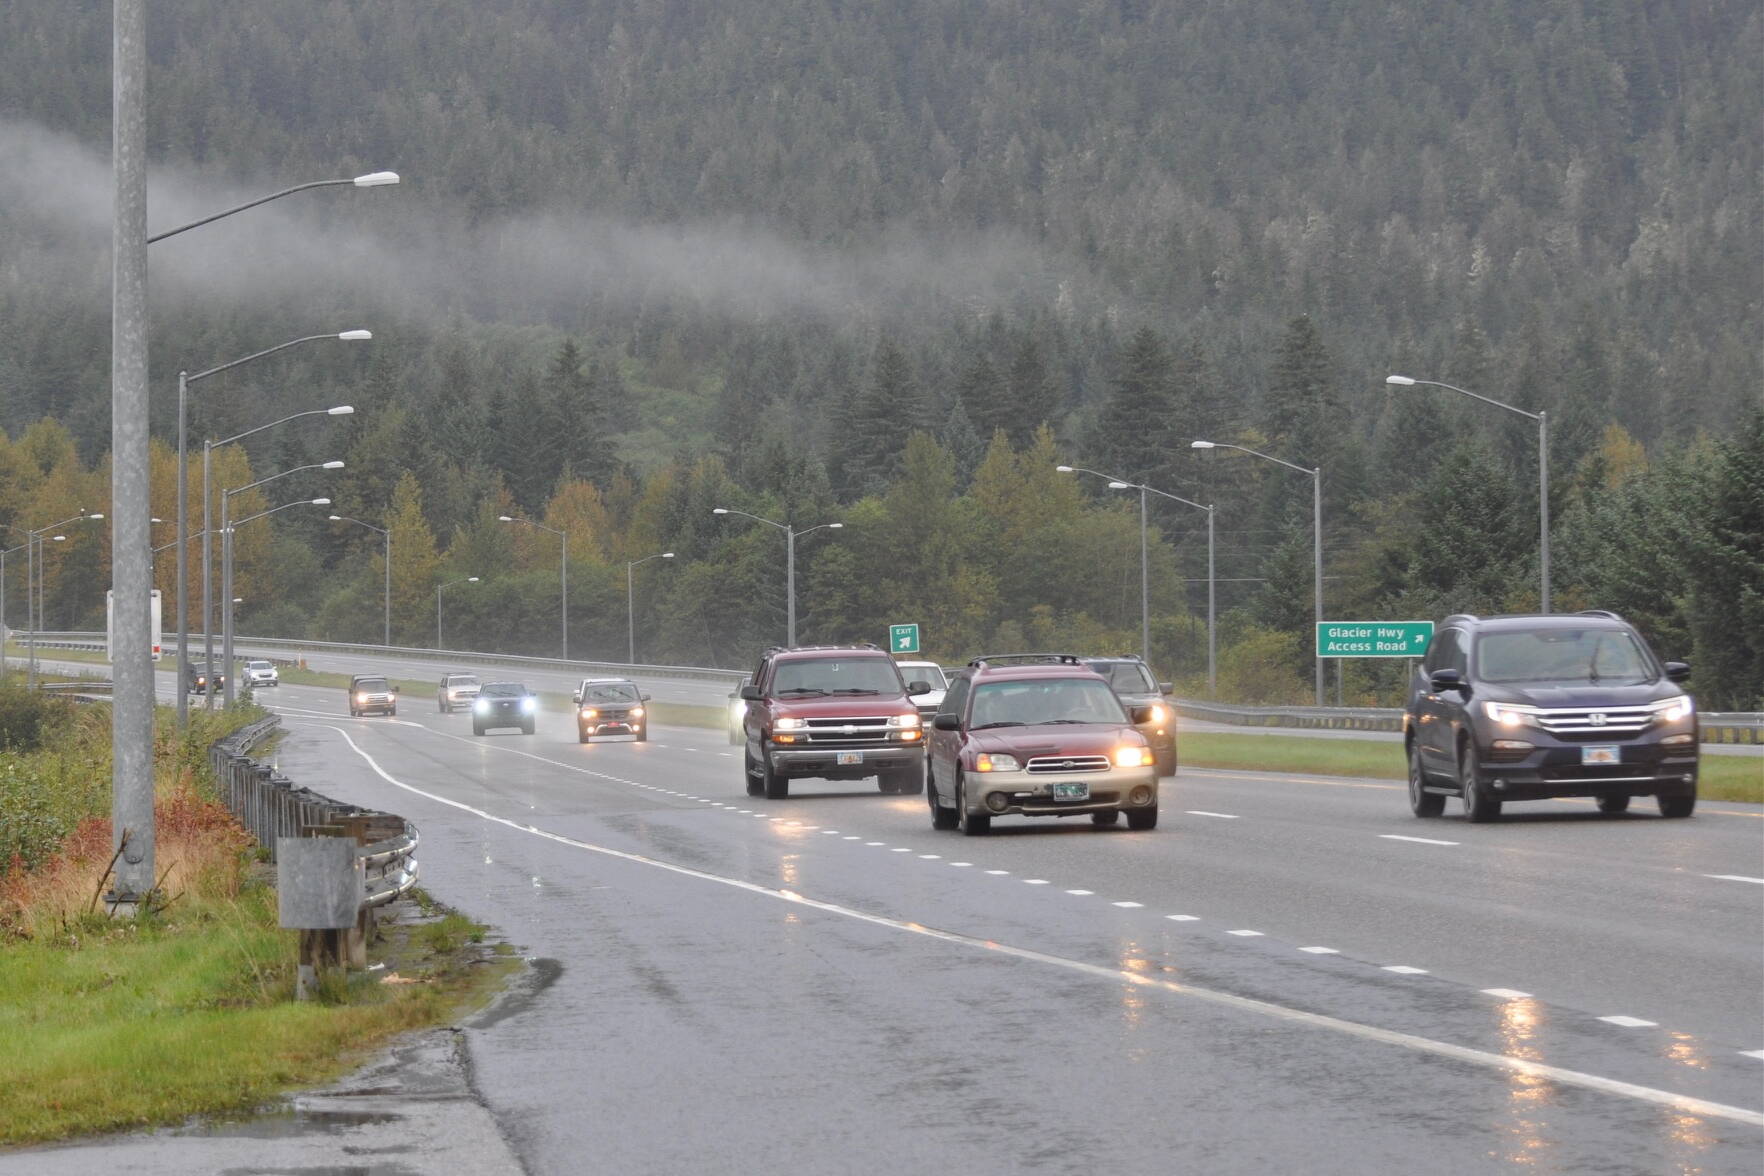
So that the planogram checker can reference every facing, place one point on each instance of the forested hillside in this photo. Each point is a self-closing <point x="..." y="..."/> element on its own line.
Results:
<point x="655" y="257"/>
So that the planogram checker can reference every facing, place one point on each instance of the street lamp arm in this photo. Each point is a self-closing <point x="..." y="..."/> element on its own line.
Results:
<point x="235" y="525"/>
<point x="292" y="417"/>
<point x="372" y="180"/>
<point x="819" y="527"/>
<point x="1177" y="498"/>
<point x="529" y="523"/>
<point x="357" y="522"/>
<point x="259" y="355"/>
<point x="1473" y="395"/>
<point x="754" y="517"/>
<point x="317" y="465"/>
<point x="1258" y="453"/>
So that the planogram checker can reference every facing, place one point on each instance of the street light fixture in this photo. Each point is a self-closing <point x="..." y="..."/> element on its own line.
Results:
<point x="631" y="605"/>
<point x="208" y="448"/>
<point x="1543" y="471"/>
<point x="563" y="572"/>
<point x="377" y="179"/>
<point x="387" y="535"/>
<point x="184" y="382"/>
<point x="438" y="587"/>
<point x="1316" y="475"/>
<point x="227" y="561"/>
<point x="790" y="537"/>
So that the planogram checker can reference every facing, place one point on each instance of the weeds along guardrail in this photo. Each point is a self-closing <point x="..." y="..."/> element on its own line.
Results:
<point x="270" y="806"/>
<point x="1716" y="726"/>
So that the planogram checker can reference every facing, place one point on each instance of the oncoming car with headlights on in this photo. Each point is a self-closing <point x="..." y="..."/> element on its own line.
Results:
<point x="611" y="706"/>
<point x="504" y="704"/>
<point x="1044" y="739"/>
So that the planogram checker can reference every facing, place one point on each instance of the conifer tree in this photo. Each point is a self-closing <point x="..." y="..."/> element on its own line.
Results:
<point x="1134" y="433"/>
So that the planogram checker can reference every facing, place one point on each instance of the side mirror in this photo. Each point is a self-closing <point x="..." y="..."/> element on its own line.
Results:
<point x="1443" y="680"/>
<point x="918" y="687"/>
<point x="576" y="697"/>
<point x="947" y="722"/>
<point x="751" y="693"/>
<point x="395" y="689"/>
<point x="1166" y="687"/>
<point x="1677" y="671"/>
<point x="1142" y="714"/>
<point x="643" y="698"/>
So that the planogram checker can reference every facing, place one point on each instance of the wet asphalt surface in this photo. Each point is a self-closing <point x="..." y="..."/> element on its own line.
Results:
<point x="826" y="984"/>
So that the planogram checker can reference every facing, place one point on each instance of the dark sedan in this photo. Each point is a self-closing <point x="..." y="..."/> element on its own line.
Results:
<point x="504" y="704"/>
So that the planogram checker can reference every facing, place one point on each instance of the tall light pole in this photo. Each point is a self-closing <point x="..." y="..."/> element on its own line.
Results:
<point x="790" y="537"/>
<point x="184" y="381"/>
<point x="34" y="582"/>
<point x="438" y="588"/>
<point x="227" y="562"/>
<point x="208" y="448"/>
<point x="563" y="572"/>
<point x="1543" y="471"/>
<point x="1316" y="475"/>
<point x="1144" y="560"/>
<point x="631" y="605"/>
<point x="386" y="534"/>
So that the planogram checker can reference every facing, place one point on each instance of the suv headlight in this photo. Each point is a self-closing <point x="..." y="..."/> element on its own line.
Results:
<point x="482" y="706"/>
<point x="906" y="720"/>
<point x="589" y="712"/>
<point x="995" y="763"/>
<point x="528" y="705"/>
<point x="787" y="723"/>
<point x="1672" y="710"/>
<point x="636" y="712"/>
<point x="1509" y="714"/>
<point x="1159" y="713"/>
<point x="1134" y="757"/>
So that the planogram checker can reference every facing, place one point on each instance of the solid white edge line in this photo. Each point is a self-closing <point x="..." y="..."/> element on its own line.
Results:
<point x="1417" y="840"/>
<point x="1410" y="1041"/>
<point x="1204" y="813"/>
<point x="1735" y="878"/>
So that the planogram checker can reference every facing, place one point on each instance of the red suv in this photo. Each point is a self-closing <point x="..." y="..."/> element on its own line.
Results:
<point x="1048" y="739"/>
<point x="839" y="712"/>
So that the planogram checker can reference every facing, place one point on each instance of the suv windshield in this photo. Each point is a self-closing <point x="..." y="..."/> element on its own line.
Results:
<point x="1580" y="656"/>
<point x="370" y="684"/>
<point x="830" y="675"/>
<point x="1126" y="677"/>
<point x="461" y="680"/>
<point x="609" y="692"/>
<point x="1043" y="700"/>
<point x="504" y="689"/>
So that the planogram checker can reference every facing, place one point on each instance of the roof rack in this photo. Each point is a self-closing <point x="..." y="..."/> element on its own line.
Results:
<point x="801" y="648"/>
<point x="1460" y="617"/>
<point x="1063" y="659"/>
<point x="1599" y="612"/>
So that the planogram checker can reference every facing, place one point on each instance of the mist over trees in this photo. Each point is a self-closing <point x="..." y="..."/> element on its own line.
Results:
<point x="890" y="264"/>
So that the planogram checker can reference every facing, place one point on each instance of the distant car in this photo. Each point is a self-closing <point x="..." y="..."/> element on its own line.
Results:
<point x="1141" y="693"/>
<point x="933" y="676"/>
<point x="610" y="706"/>
<point x="260" y="672"/>
<point x="200" y="680"/>
<point x="738" y="713"/>
<point x="372" y="694"/>
<point x="504" y="704"/>
<point x="455" y="691"/>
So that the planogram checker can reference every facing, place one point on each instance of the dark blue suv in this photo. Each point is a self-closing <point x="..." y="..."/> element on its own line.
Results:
<point x="1534" y="707"/>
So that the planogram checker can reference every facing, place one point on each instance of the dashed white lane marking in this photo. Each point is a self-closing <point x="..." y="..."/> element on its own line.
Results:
<point x="874" y="843"/>
<point x="1080" y="893"/>
<point x="900" y="849"/>
<point x="1416" y="840"/>
<point x="1629" y="1022"/>
<point x="1035" y="881"/>
<point x="930" y="857"/>
<point x="1129" y="905"/>
<point x="1507" y="993"/>
<point x="851" y="837"/>
<point x="961" y="863"/>
<point x="1204" y="813"/>
<point x="1244" y="932"/>
<point x="1405" y="970"/>
<point x="998" y="871"/>
<point x="1410" y="1041"/>
<point x="1183" y="918"/>
<point x="1321" y="950"/>
<point x="1752" y="1053"/>
<point x="1735" y="878"/>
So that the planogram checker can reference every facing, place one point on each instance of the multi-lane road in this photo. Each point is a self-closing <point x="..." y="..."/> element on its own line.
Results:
<point x="1290" y="973"/>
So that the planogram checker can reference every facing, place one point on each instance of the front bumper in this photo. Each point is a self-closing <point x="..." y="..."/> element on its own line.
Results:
<point x="824" y="761"/>
<point x="1030" y="794"/>
<point x="1554" y="768"/>
<point x="588" y="730"/>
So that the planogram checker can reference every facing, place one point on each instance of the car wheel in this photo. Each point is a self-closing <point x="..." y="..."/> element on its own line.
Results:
<point x="885" y="784"/>
<point x="1678" y="806"/>
<point x="1612" y="805"/>
<point x="1145" y="818"/>
<point x="527" y="729"/>
<point x="941" y="818"/>
<point x="1105" y="818"/>
<point x="971" y="824"/>
<point x="1479" y="806"/>
<point x="477" y="730"/>
<point x="751" y="773"/>
<point x="777" y="785"/>
<point x="1421" y="802"/>
<point x="643" y="736"/>
<point x="583" y="737"/>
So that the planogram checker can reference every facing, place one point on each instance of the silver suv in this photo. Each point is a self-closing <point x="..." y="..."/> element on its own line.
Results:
<point x="456" y="692"/>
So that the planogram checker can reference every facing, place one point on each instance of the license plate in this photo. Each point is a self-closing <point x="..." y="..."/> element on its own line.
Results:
<point x="1071" y="792"/>
<point x="849" y="757"/>
<point x="1602" y="754"/>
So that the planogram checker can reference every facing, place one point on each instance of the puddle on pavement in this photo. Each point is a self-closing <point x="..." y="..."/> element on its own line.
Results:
<point x="299" y="1121"/>
<point x="540" y="975"/>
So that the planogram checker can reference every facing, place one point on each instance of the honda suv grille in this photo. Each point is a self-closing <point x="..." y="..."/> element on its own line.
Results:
<point x="1600" y="721"/>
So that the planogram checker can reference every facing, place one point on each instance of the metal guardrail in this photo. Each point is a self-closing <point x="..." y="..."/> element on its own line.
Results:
<point x="269" y="805"/>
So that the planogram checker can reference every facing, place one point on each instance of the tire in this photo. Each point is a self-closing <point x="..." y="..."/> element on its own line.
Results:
<point x="583" y="737"/>
<point x="1677" y="807"/>
<point x="755" y="786"/>
<point x="1143" y="819"/>
<point x="777" y="785"/>
<point x="643" y="735"/>
<point x="907" y="781"/>
<point x="885" y="784"/>
<point x="1479" y="807"/>
<point x="1421" y="802"/>
<point x="941" y="818"/>
<point x="527" y="729"/>
<point x="1110" y="817"/>
<point x="477" y="729"/>
<point x="971" y="824"/>
<point x="1614" y="805"/>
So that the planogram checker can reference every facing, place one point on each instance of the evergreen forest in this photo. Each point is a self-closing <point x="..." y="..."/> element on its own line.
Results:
<point x="890" y="264"/>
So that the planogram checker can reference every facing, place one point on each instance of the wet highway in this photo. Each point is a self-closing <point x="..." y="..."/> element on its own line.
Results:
<point x="1290" y="972"/>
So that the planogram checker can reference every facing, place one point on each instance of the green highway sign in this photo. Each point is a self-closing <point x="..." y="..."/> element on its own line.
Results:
<point x="904" y="639"/>
<point x="1373" y="638"/>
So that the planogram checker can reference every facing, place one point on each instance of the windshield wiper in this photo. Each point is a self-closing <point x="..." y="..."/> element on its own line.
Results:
<point x="1003" y="723"/>
<point x="803" y="690"/>
<point x="1056" y="722"/>
<point x="856" y="690"/>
